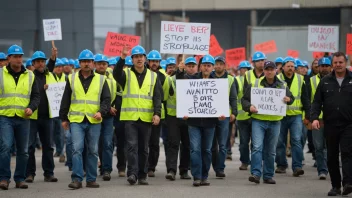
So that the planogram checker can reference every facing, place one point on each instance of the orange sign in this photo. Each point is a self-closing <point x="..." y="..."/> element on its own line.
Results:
<point x="266" y="47"/>
<point x="318" y="55"/>
<point x="235" y="56"/>
<point x="293" y="53"/>
<point x="215" y="48"/>
<point x="349" y="44"/>
<point x="114" y="43"/>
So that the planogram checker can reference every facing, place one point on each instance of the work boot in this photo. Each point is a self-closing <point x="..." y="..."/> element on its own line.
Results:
<point x="334" y="192"/>
<point x="220" y="174"/>
<point x="4" y="185"/>
<point x="196" y="183"/>
<point x="205" y="182"/>
<point x="142" y="181"/>
<point x="254" y="179"/>
<point x="170" y="176"/>
<point x="347" y="189"/>
<point x="298" y="172"/>
<point x="229" y="157"/>
<point x="280" y="170"/>
<point x="244" y="167"/>
<point x="185" y="176"/>
<point x="50" y="179"/>
<point x="29" y="179"/>
<point x="75" y="185"/>
<point x="132" y="179"/>
<point x="21" y="185"/>
<point x="56" y="154"/>
<point x="92" y="184"/>
<point x="151" y="174"/>
<point x="269" y="181"/>
<point x="106" y="176"/>
<point x="122" y="174"/>
<point x="62" y="159"/>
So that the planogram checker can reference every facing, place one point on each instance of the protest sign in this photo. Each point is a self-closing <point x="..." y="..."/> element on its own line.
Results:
<point x="202" y="98"/>
<point x="114" y="43"/>
<point x="266" y="47"/>
<point x="54" y="93"/>
<point x="269" y="101"/>
<point x="317" y="55"/>
<point x="235" y="56"/>
<point x="293" y="53"/>
<point x="215" y="48"/>
<point x="323" y="38"/>
<point x="349" y="44"/>
<point x="184" y="38"/>
<point x="52" y="29"/>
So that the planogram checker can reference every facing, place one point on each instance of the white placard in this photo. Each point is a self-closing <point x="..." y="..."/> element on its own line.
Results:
<point x="323" y="38"/>
<point x="202" y="98"/>
<point x="55" y="92"/>
<point x="52" y="29"/>
<point x="184" y="38"/>
<point x="269" y="101"/>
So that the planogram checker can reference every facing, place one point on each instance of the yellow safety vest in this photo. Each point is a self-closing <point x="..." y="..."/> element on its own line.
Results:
<point x="257" y="84"/>
<point x="231" y="79"/>
<point x="112" y="86"/>
<point x="314" y="82"/>
<point x="62" y="79"/>
<point x="85" y="104"/>
<point x="14" y="99"/>
<point x="166" y="93"/>
<point x="296" y="89"/>
<point x="137" y="103"/>
<point x="250" y="77"/>
<point x="242" y="115"/>
<point x="171" y="100"/>
<point x="109" y="70"/>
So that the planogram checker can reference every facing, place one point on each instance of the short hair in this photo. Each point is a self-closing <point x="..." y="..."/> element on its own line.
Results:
<point x="338" y="54"/>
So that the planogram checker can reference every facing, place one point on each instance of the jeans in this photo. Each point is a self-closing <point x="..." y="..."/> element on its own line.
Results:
<point x="43" y="127"/>
<point x="245" y="130"/>
<point x="81" y="132"/>
<point x="220" y="138"/>
<point x="264" y="140"/>
<point x="106" y="145"/>
<point x="120" y="137"/>
<point x="320" y="150"/>
<point x="13" y="129"/>
<point x="201" y="140"/>
<point x="68" y="148"/>
<point x="228" y="143"/>
<point x="294" y="124"/>
<point x="59" y="136"/>
<point x="154" y="147"/>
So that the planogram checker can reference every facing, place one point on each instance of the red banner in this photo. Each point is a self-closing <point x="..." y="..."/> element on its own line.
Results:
<point x="115" y="42"/>
<point x="215" y="48"/>
<point x="235" y="56"/>
<point x="266" y="47"/>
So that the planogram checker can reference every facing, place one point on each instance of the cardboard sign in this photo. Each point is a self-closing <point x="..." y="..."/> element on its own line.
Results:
<point x="215" y="48"/>
<point x="293" y="53"/>
<point x="115" y="42"/>
<point x="52" y="29"/>
<point x="323" y="38"/>
<point x="318" y="55"/>
<point x="349" y="44"/>
<point x="184" y="38"/>
<point x="202" y="98"/>
<point x="266" y="47"/>
<point x="55" y="92"/>
<point x="269" y="101"/>
<point x="235" y="56"/>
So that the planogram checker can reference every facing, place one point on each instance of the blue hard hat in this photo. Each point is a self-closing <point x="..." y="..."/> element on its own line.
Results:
<point x="65" y="61"/>
<point x="279" y="60"/>
<point x="324" y="61"/>
<point x="305" y="63"/>
<point x="29" y="62"/>
<point x="112" y="61"/>
<point x="100" y="58"/>
<point x="171" y="61"/>
<point x="257" y="56"/>
<point x="2" y="56"/>
<point x="15" y="49"/>
<point x="208" y="59"/>
<point x="245" y="64"/>
<point x="298" y="63"/>
<point x="154" y="55"/>
<point x="309" y="72"/>
<point x="86" y="55"/>
<point x="190" y="60"/>
<point x="220" y="58"/>
<point x="38" y="55"/>
<point x="71" y="62"/>
<point x="289" y="59"/>
<point x="59" y="62"/>
<point x="77" y="66"/>
<point x="137" y="50"/>
<point x="128" y="61"/>
<point x="163" y="64"/>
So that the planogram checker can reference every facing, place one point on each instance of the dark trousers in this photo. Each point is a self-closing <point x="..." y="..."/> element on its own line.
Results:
<point x="177" y="132"/>
<point x="339" y="138"/>
<point x="43" y="126"/>
<point x="137" y="134"/>
<point x="120" y="139"/>
<point x="154" y="147"/>
<point x="310" y="142"/>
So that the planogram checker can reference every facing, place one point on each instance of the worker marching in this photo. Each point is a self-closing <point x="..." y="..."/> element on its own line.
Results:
<point x="133" y="98"/>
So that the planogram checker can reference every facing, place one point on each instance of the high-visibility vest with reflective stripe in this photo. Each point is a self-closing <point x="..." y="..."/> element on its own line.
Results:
<point x="62" y="79"/>
<point x="166" y="94"/>
<point x="257" y="84"/>
<point x="49" y="79"/>
<point x="112" y="86"/>
<point x="296" y="89"/>
<point x="314" y="82"/>
<point x="109" y="70"/>
<point x="242" y="115"/>
<point x="230" y="80"/>
<point x="14" y="99"/>
<point x="137" y="103"/>
<point x="250" y="77"/>
<point x="85" y="104"/>
<point x="171" y="100"/>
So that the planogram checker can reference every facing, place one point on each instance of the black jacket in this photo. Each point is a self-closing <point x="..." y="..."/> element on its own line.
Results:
<point x="334" y="100"/>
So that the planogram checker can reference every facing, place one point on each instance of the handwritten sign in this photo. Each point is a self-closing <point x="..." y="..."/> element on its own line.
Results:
<point x="318" y="55"/>
<point x="184" y="38"/>
<point x="266" y="47"/>
<point x="235" y="56"/>
<point x="52" y="29"/>
<point x="269" y="101"/>
<point x="114" y="43"/>
<point x="215" y="48"/>
<point x="349" y="44"/>
<point x="55" y="92"/>
<point x="293" y="53"/>
<point x="323" y="38"/>
<point x="202" y="98"/>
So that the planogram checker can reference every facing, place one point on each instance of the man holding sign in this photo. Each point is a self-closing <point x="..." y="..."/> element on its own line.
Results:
<point x="265" y="128"/>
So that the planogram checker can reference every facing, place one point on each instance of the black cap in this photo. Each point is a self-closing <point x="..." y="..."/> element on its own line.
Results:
<point x="269" y="64"/>
<point x="220" y="58"/>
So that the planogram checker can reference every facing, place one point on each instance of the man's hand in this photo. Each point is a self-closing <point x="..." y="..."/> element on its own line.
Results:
<point x="287" y="99"/>
<point x="232" y="118"/>
<point x="253" y="109"/>
<point x="53" y="53"/>
<point x="46" y="86"/>
<point x="305" y="121"/>
<point x="185" y="117"/>
<point x="113" y="111"/>
<point x="97" y="116"/>
<point x="28" y="112"/>
<point x="316" y="125"/>
<point x="181" y="66"/>
<point x="156" y="120"/>
<point x="125" y="51"/>
<point x="222" y="117"/>
<point x="65" y="125"/>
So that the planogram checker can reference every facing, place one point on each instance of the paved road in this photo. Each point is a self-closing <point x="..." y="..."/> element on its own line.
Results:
<point x="236" y="184"/>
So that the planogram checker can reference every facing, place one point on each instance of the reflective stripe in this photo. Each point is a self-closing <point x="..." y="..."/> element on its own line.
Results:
<point x="256" y="84"/>
<point x="17" y="95"/>
<point x="85" y="102"/>
<point x="170" y="106"/>
<point x="315" y="82"/>
<point x="12" y="107"/>
<point x="30" y="83"/>
<point x="289" y="107"/>
<point x="299" y="86"/>
<point x="151" y="83"/>
<point x="73" y="85"/>
<point x="241" y="111"/>
<point x="129" y="95"/>
<point x="2" y="88"/>
<point x="119" y="93"/>
<point x="249" y="77"/>
<point x="136" y="110"/>
<point x="101" y="87"/>
<point x="138" y="96"/>
<point x="80" y="113"/>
